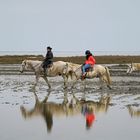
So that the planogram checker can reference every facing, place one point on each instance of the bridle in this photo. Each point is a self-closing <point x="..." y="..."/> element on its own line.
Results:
<point x="130" y="68"/>
<point x="32" y="67"/>
<point x="77" y="70"/>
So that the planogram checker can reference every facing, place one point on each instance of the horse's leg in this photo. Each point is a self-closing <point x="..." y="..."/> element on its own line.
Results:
<point x="84" y="84"/>
<point x="46" y="80"/>
<point x="74" y="100"/>
<point x="101" y="82"/>
<point x="75" y="80"/>
<point x="36" y="97"/>
<point x="83" y="98"/>
<point x="46" y="98"/>
<point x="106" y="81"/>
<point x="37" y="79"/>
<point x="65" y="81"/>
<point x="74" y="83"/>
<point x="65" y="101"/>
<point x="107" y="78"/>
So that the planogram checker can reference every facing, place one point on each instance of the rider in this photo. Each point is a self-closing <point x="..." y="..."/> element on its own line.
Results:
<point x="48" y="59"/>
<point x="90" y="61"/>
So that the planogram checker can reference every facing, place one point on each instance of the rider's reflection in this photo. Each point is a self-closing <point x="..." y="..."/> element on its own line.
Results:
<point x="89" y="114"/>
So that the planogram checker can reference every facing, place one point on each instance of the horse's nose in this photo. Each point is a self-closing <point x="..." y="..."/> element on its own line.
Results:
<point x="21" y="71"/>
<point x="127" y="73"/>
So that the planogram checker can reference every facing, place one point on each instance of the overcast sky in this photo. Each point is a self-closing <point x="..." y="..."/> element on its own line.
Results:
<point x="70" y="26"/>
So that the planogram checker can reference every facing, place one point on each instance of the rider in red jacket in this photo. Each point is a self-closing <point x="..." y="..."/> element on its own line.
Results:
<point x="90" y="61"/>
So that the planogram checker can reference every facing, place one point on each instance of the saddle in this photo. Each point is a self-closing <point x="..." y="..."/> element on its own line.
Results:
<point x="47" y="68"/>
<point x="89" y="69"/>
<point x="49" y="65"/>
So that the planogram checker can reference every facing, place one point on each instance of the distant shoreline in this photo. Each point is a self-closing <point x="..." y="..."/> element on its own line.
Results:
<point x="104" y="59"/>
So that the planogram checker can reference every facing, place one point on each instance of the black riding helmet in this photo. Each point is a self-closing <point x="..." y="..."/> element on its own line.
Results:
<point x="49" y="48"/>
<point x="87" y="52"/>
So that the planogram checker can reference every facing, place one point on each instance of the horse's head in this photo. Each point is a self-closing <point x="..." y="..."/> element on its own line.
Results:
<point x="72" y="70"/>
<point x="23" y="66"/>
<point x="130" y="68"/>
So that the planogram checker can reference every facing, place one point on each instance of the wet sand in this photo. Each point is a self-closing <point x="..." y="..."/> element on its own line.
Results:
<point x="24" y="114"/>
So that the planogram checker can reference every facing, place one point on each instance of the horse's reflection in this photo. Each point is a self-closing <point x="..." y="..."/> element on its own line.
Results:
<point x="67" y="108"/>
<point x="133" y="111"/>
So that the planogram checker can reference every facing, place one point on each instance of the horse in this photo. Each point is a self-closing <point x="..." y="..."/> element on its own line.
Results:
<point x="98" y="71"/>
<point x="133" y="67"/>
<point x="57" y="69"/>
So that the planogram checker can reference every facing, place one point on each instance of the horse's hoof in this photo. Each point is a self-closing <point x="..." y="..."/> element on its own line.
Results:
<point x="101" y="88"/>
<point x="109" y="87"/>
<point x="65" y="87"/>
<point x="49" y="87"/>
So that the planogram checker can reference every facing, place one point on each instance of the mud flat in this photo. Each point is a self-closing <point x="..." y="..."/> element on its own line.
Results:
<point x="25" y="115"/>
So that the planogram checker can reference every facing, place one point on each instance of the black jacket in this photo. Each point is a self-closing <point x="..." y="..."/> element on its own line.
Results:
<point x="49" y="56"/>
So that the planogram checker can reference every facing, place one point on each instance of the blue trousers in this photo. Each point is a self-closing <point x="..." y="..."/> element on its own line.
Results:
<point x="86" y="66"/>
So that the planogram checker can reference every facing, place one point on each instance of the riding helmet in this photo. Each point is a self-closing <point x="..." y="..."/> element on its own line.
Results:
<point x="87" y="52"/>
<point x="49" y="47"/>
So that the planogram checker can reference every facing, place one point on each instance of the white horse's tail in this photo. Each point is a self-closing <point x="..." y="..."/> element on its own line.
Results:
<point x="70" y="74"/>
<point x="108" y="75"/>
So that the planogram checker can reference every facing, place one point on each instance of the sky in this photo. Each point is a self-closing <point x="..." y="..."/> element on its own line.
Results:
<point x="70" y="26"/>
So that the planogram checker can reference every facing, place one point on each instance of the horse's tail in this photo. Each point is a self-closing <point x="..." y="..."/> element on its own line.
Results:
<point x="108" y="75"/>
<point x="70" y="74"/>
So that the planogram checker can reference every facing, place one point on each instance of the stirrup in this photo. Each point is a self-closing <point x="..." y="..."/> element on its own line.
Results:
<point x="83" y="77"/>
<point x="44" y="72"/>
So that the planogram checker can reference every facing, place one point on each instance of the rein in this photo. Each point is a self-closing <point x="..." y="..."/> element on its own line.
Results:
<point x="76" y="71"/>
<point x="77" y="68"/>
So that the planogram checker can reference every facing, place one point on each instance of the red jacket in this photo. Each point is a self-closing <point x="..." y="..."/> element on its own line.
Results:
<point x="90" y="60"/>
<point x="90" y="118"/>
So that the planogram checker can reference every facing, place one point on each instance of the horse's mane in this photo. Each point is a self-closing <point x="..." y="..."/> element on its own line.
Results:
<point x="73" y="64"/>
<point x="29" y="60"/>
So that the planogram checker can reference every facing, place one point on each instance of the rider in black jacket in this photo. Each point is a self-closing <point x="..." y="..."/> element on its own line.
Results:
<point x="48" y="59"/>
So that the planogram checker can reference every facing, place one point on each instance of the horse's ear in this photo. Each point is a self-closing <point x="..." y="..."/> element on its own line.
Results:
<point x="131" y="64"/>
<point x="25" y="61"/>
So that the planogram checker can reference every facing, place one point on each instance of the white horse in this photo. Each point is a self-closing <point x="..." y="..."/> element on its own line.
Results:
<point x="98" y="71"/>
<point x="133" y="67"/>
<point x="58" y="68"/>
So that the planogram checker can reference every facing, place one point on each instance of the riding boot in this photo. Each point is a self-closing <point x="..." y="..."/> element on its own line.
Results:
<point x="83" y="76"/>
<point x="44" y="71"/>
